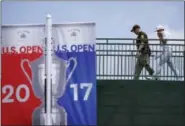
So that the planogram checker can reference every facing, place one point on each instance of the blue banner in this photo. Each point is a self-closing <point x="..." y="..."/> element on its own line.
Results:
<point x="75" y="47"/>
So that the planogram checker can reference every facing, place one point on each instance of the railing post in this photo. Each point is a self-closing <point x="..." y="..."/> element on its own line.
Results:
<point x="107" y="40"/>
<point x="133" y="42"/>
<point x="107" y="67"/>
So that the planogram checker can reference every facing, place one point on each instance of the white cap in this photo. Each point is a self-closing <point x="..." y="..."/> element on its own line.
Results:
<point x="159" y="27"/>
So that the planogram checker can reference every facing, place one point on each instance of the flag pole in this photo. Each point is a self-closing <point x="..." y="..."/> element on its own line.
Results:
<point x="48" y="63"/>
<point x="0" y="65"/>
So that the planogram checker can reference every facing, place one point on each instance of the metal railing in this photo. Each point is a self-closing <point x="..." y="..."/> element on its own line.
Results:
<point x="116" y="58"/>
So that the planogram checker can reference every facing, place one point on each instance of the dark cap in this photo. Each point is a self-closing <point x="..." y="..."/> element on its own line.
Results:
<point x="135" y="27"/>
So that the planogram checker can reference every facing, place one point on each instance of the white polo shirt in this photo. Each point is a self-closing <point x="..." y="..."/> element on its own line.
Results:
<point x="165" y="46"/>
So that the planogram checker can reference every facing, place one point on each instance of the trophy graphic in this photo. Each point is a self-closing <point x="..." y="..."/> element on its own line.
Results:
<point x="59" y="79"/>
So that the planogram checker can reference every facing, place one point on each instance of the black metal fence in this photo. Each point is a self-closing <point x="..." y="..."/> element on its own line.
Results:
<point x="116" y="58"/>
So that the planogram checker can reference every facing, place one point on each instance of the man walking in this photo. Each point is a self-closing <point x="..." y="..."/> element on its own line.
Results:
<point x="165" y="56"/>
<point x="143" y="52"/>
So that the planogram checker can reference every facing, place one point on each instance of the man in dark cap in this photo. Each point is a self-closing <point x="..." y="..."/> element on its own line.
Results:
<point x="143" y="52"/>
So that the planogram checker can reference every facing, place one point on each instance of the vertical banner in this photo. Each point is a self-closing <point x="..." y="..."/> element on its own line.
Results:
<point x="19" y="44"/>
<point x="73" y="75"/>
<point x="75" y="44"/>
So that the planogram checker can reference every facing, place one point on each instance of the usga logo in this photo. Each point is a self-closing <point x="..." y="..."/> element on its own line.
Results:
<point x="23" y="34"/>
<point x="74" y="33"/>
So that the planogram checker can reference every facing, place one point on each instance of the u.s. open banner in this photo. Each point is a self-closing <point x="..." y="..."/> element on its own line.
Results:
<point x="73" y="75"/>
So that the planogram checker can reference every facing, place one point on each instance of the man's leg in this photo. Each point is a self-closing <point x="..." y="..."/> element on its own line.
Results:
<point x="162" y="61"/>
<point x="146" y="62"/>
<point x="172" y="66"/>
<point x="138" y="69"/>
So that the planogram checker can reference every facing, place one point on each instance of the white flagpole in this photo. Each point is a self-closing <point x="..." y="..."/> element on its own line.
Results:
<point x="0" y="65"/>
<point x="48" y="62"/>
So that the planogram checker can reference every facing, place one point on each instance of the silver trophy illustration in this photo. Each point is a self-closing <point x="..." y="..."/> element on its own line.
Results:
<point x="59" y="81"/>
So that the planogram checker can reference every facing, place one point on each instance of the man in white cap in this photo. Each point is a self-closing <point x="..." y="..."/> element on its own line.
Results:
<point x="165" y="56"/>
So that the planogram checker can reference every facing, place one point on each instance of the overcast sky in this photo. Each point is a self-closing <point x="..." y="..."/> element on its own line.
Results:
<point x="113" y="19"/>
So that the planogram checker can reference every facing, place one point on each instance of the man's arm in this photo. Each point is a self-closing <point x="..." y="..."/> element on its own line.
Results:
<point x="142" y="39"/>
<point x="162" y="40"/>
<point x="159" y="55"/>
